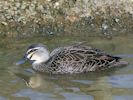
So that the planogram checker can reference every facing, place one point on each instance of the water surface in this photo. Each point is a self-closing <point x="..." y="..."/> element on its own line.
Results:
<point x="22" y="83"/>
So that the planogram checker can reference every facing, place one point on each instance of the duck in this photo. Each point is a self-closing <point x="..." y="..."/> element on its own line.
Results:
<point x="77" y="58"/>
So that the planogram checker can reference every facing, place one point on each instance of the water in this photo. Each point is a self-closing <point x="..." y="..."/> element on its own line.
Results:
<point x="22" y="83"/>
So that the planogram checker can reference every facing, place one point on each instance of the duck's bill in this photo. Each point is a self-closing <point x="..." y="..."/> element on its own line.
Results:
<point x="20" y="62"/>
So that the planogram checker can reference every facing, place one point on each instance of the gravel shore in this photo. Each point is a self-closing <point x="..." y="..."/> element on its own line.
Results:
<point x="47" y="17"/>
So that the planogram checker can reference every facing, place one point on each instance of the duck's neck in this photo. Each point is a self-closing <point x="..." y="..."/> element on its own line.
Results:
<point x="38" y="67"/>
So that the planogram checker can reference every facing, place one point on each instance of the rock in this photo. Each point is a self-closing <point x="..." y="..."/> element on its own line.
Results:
<point x="70" y="13"/>
<point x="4" y="23"/>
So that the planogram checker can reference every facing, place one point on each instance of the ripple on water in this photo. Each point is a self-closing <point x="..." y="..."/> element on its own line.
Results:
<point x="83" y="81"/>
<point x="33" y="95"/>
<point x="121" y="81"/>
<point x="3" y="98"/>
<point x="72" y="96"/>
<point x="122" y="97"/>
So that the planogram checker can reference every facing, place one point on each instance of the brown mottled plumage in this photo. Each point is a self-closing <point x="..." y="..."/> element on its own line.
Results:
<point x="72" y="59"/>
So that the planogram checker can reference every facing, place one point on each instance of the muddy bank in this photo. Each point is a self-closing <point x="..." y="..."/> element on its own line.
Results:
<point x="54" y="17"/>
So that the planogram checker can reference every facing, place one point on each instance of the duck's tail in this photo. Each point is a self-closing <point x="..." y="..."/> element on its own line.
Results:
<point x="117" y="58"/>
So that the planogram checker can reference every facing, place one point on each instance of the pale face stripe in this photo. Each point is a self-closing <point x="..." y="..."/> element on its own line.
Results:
<point x="29" y="56"/>
<point x="30" y="52"/>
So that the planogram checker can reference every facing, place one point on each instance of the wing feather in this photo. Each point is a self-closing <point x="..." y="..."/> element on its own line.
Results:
<point x="80" y="58"/>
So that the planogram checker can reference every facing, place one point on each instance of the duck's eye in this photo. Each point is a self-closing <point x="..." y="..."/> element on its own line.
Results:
<point x="31" y="51"/>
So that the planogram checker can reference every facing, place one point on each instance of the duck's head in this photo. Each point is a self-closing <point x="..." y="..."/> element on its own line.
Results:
<point x="36" y="54"/>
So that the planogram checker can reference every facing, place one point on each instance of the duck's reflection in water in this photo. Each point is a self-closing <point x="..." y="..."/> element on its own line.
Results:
<point x="88" y="84"/>
<point x="34" y="82"/>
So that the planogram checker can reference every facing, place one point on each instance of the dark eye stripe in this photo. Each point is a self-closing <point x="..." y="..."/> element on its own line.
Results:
<point x="31" y="51"/>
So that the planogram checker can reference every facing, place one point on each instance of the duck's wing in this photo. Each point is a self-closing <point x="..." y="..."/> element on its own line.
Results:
<point x="77" y="59"/>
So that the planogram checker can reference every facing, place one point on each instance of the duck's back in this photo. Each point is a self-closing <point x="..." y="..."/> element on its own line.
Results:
<point x="78" y="59"/>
